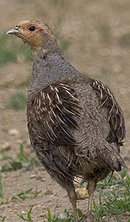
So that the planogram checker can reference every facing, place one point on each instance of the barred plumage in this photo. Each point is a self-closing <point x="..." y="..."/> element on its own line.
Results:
<point x="55" y="112"/>
<point x="75" y="124"/>
<point x="115" y="115"/>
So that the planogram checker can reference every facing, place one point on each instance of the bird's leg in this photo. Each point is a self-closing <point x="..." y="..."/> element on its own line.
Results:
<point x="73" y="197"/>
<point x="91" y="187"/>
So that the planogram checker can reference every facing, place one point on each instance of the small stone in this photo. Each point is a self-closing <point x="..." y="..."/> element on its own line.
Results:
<point x="125" y="178"/>
<point x="43" y="179"/>
<point x="63" y="216"/>
<point x="37" y="206"/>
<point x="32" y="176"/>
<point x="39" y="177"/>
<point x="42" y="215"/>
<point x="5" y="146"/>
<point x="48" y="192"/>
<point x="112" y="187"/>
<point x="82" y="193"/>
<point x="13" y="132"/>
<point x="3" y="174"/>
<point x="2" y="106"/>
<point x="19" y="141"/>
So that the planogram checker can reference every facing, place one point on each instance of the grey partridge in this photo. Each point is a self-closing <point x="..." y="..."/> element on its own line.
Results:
<point x="75" y="125"/>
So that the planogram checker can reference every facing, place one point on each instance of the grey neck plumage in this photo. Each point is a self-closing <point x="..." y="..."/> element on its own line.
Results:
<point x="50" y="67"/>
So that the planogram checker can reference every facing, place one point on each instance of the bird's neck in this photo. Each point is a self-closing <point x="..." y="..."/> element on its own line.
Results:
<point x="45" y="48"/>
<point x="49" y="67"/>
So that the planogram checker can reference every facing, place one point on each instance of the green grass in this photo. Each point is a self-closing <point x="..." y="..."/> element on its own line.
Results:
<point x="22" y="161"/>
<point x="114" y="202"/>
<point x="1" y="187"/>
<point x="65" y="217"/>
<point x="11" y="49"/>
<point x="28" y="218"/>
<point x="113" y="194"/>
<point x="3" y="219"/>
<point x="64" y="45"/>
<point x="4" y="156"/>
<point x="124" y="40"/>
<point x="23" y="84"/>
<point x="26" y="194"/>
<point x="104" y="71"/>
<point x="22" y="195"/>
<point x="17" y="101"/>
<point x="57" y="2"/>
<point x="6" y="85"/>
<point x="105" y="31"/>
<point x="12" y="84"/>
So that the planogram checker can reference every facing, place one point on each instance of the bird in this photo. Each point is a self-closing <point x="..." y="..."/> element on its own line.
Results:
<point x="75" y="124"/>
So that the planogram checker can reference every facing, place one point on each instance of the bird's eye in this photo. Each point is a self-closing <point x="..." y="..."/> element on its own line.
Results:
<point x="31" y="28"/>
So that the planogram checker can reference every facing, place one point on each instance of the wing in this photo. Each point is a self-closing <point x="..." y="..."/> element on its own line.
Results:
<point x="115" y="115"/>
<point x="54" y="108"/>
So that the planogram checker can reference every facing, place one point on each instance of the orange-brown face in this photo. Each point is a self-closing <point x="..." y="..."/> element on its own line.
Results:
<point x="31" y="32"/>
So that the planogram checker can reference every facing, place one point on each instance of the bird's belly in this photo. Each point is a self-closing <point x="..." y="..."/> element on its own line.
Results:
<point x="92" y="169"/>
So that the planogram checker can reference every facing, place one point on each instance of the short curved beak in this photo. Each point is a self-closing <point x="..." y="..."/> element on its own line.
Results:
<point x="13" y="31"/>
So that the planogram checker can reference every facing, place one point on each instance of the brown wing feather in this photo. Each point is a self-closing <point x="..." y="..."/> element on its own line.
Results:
<point x="55" y="108"/>
<point x="115" y="115"/>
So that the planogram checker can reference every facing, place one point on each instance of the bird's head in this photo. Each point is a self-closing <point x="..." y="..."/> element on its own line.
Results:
<point x="39" y="36"/>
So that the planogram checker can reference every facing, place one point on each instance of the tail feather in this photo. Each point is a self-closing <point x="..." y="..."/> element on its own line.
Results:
<point x="111" y="157"/>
